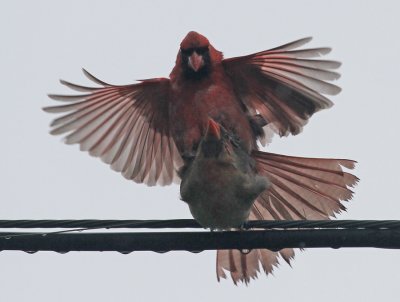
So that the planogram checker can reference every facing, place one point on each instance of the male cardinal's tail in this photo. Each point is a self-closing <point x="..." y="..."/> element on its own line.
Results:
<point x="301" y="188"/>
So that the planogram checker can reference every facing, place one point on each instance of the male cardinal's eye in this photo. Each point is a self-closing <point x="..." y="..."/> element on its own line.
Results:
<point x="187" y="51"/>
<point x="201" y="50"/>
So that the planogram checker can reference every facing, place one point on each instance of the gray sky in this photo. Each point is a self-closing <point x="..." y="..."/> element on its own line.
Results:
<point x="120" y="41"/>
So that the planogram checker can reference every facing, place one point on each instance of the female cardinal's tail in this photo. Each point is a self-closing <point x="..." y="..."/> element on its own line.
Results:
<point x="301" y="188"/>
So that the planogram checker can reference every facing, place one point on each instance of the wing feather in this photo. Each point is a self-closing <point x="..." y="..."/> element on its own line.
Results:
<point x="286" y="85"/>
<point x="126" y="126"/>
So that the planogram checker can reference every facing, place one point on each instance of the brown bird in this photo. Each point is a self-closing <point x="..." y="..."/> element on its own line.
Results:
<point x="150" y="130"/>
<point x="221" y="183"/>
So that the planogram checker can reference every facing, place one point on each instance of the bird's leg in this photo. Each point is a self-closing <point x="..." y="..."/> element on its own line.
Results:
<point x="244" y="226"/>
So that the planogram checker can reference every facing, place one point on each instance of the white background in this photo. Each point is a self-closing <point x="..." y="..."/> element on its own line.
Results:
<point x="120" y="41"/>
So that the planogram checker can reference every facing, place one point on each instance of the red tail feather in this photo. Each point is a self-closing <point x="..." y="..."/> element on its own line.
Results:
<point x="301" y="188"/>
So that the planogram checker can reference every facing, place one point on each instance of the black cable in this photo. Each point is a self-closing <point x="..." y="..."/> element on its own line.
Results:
<point x="190" y="223"/>
<point x="199" y="241"/>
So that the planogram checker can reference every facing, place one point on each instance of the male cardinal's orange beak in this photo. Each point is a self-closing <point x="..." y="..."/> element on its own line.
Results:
<point x="213" y="129"/>
<point x="196" y="61"/>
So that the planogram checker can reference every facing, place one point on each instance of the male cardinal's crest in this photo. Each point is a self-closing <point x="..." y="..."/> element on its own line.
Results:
<point x="211" y="112"/>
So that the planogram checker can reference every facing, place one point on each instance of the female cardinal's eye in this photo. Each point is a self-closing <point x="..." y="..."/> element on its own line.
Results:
<point x="187" y="51"/>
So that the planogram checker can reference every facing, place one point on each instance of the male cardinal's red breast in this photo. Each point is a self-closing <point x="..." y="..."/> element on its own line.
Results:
<point x="151" y="130"/>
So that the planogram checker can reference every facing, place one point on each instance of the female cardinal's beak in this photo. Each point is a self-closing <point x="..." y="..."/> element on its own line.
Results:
<point x="213" y="129"/>
<point x="196" y="61"/>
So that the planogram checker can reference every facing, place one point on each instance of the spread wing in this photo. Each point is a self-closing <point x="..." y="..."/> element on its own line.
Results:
<point x="283" y="84"/>
<point x="126" y="126"/>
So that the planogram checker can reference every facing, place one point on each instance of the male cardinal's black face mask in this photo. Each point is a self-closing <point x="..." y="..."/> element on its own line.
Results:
<point x="196" y="62"/>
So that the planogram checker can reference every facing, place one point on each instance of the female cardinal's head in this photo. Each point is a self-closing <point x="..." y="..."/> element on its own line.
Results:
<point x="217" y="143"/>
<point x="197" y="56"/>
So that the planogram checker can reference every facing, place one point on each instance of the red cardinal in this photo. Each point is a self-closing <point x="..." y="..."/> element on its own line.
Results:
<point x="150" y="130"/>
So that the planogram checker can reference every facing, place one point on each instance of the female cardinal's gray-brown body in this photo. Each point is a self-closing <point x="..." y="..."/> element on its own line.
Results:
<point x="150" y="130"/>
<point x="221" y="183"/>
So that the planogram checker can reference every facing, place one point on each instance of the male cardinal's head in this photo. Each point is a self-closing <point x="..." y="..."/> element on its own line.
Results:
<point x="197" y="56"/>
